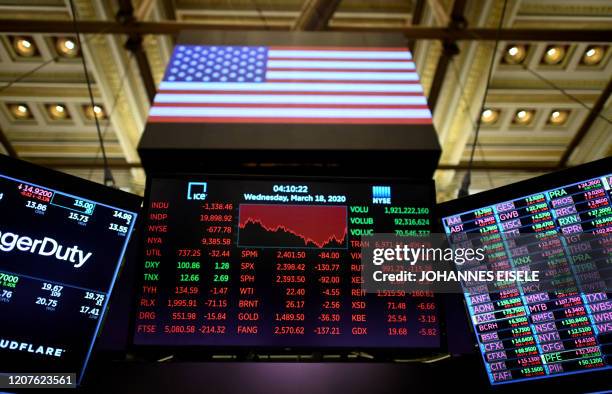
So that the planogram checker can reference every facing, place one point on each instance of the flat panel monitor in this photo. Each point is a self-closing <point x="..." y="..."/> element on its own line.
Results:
<point x="62" y="240"/>
<point x="526" y="334"/>
<point x="245" y="97"/>
<point x="273" y="263"/>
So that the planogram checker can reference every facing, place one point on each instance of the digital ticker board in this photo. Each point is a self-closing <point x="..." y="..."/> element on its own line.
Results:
<point x="526" y="334"/>
<point x="275" y="263"/>
<point x="59" y="257"/>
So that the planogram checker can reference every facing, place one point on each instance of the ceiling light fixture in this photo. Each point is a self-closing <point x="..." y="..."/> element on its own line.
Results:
<point x="96" y="111"/>
<point x="20" y="111"/>
<point x="523" y="116"/>
<point x="67" y="47"/>
<point x="593" y="55"/>
<point x="489" y="116"/>
<point x="515" y="54"/>
<point x="558" y="117"/>
<point x="57" y="111"/>
<point x="24" y="46"/>
<point x="554" y="54"/>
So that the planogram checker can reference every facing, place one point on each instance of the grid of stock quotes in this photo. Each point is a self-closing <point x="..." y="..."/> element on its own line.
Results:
<point x="525" y="333"/>
<point x="270" y="263"/>
<point x="59" y="256"/>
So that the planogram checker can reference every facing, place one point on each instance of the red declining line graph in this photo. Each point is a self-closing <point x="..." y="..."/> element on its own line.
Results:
<point x="318" y="225"/>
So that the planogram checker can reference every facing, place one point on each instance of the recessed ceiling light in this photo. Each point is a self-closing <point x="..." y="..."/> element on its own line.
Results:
<point x="20" y="111"/>
<point x="24" y="46"/>
<point x="57" y="111"/>
<point x="593" y="55"/>
<point x="554" y="54"/>
<point x="558" y="117"/>
<point x="523" y="116"/>
<point x="67" y="46"/>
<point x="96" y="111"/>
<point x="515" y="54"/>
<point x="489" y="115"/>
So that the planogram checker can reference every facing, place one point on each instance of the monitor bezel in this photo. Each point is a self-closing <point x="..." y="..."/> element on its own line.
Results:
<point x="510" y="192"/>
<point x="250" y="353"/>
<point x="79" y="187"/>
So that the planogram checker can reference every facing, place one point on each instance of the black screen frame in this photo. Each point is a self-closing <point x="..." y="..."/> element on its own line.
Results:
<point x="96" y="192"/>
<point x="509" y="192"/>
<point x="250" y="353"/>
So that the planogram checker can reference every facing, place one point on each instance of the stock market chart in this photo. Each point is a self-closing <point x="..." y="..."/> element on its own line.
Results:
<point x="59" y="256"/>
<point x="524" y="332"/>
<point x="276" y="263"/>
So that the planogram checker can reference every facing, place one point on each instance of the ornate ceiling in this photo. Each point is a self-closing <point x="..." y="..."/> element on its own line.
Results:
<point x="538" y="102"/>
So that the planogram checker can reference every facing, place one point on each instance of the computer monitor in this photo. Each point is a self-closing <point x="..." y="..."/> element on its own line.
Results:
<point x="526" y="334"/>
<point x="62" y="241"/>
<point x="272" y="264"/>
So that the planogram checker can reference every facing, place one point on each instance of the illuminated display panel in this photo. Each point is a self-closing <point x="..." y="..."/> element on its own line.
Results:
<point x="59" y="257"/>
<point x="275" y="263"/>
<point x="290" y="84"/>
<point x="526" y="335"/>
<point x="232" y="97"/>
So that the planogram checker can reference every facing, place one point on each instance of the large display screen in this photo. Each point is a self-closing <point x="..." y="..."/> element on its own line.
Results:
<point x="59" y="256"/>
<point x="290" y="84"/>
<point x="526" y="333"/>
<point x="276" y="263"/>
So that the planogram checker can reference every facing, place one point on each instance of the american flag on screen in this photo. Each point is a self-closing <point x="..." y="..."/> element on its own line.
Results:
<point x="259" y="84"/>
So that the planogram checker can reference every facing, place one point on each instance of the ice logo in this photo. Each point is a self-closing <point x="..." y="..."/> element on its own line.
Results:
<point x="197" y="191"/>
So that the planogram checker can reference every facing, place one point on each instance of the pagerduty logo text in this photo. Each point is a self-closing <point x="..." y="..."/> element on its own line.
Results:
<point x="46" y="247"/>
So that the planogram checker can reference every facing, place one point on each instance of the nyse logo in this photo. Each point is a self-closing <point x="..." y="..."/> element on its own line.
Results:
<point x="197" y="191"/>
<point x="381" y="194"/>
